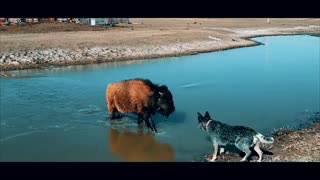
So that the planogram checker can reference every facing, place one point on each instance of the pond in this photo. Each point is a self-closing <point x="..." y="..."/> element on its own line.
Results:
<point x="60" y="114"/>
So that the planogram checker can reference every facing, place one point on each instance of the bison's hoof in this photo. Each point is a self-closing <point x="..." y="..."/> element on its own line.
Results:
<point x="154" y="131"/>
<point x="118" y="116"/>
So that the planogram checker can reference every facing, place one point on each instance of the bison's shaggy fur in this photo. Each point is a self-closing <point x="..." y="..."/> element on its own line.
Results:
<point x="139" y="96"/>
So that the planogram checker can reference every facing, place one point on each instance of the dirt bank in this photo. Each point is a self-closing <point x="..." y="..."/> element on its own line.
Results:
<point x="61" y="44"/>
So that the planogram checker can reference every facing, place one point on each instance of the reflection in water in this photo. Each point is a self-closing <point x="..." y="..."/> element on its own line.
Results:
<point x="138" y="146"/>
<point x="75" y="68"/>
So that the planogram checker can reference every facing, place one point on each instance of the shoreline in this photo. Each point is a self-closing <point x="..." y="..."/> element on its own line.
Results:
<point x="56" y="57"/>
<point x="94" y="58"/>
<point x="44" y="65"/>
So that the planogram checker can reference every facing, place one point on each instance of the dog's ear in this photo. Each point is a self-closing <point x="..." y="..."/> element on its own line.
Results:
<point x="200" y="117"/>
<point x="207" y="115"/>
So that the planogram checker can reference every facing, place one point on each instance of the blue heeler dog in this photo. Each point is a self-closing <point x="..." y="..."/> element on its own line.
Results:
<point x="242" y="137"/>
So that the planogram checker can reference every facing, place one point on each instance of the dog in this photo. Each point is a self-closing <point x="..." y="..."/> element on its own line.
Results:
<point x="244" y="138"/>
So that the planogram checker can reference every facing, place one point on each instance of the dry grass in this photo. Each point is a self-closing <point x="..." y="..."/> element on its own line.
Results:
<point x="302" y="145"/>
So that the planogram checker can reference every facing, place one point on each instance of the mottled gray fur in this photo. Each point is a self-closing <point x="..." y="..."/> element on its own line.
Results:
<point x="242" y="137"/>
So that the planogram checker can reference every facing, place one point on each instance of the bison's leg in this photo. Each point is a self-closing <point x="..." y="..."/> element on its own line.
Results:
<point x="147" y="118"/>
<point x="115" y="114"/>
<point x="111" y="107"/>
<point x="140" y="118"/>
<point x="112" y="115"/>
<point x="153" y="127"/>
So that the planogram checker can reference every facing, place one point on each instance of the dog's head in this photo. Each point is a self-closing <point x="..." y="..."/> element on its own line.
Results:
<point x="202" y="120"/>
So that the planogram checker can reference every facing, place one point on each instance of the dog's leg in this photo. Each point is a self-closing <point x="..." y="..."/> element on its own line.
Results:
<point x="215" y="152"/>
<point x="245" y="149"/>
<point x="258" y="150"/>
<point x="243" y="144"/>
<point x="248" y="153"/>
<point x="221" y="150"/>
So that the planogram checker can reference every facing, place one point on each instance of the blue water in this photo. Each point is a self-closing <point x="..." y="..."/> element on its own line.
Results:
<point x="60" y="114"/>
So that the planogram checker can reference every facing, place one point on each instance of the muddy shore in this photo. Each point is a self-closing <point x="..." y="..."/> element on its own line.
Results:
<point x="35" y="47"/>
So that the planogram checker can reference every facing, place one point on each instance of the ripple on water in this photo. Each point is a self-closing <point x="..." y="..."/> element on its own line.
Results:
<point x="91" y="109"/>
<point x="19" y="135"/>
<point x="190" y="85"/>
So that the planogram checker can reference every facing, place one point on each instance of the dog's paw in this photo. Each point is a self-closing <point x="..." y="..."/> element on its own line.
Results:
<point x="244" y="160"/>
<point x="213" y="159"/>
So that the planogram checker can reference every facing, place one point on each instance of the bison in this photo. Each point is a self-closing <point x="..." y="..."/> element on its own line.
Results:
<point x="141" y="97"/>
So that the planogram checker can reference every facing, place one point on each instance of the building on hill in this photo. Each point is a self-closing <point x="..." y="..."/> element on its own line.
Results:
<point x="103" y="21"/>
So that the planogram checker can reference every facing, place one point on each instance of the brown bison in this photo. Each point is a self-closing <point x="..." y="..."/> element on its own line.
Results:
<point x="139" y="96"/>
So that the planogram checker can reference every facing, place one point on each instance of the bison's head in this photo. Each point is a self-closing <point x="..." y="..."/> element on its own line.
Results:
<point x="165" y="101"/>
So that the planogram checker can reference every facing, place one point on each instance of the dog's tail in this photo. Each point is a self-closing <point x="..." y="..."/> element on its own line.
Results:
<point x="263" y="139"/>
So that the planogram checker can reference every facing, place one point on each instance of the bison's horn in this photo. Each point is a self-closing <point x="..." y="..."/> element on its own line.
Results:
<point x="160" y="93"/>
